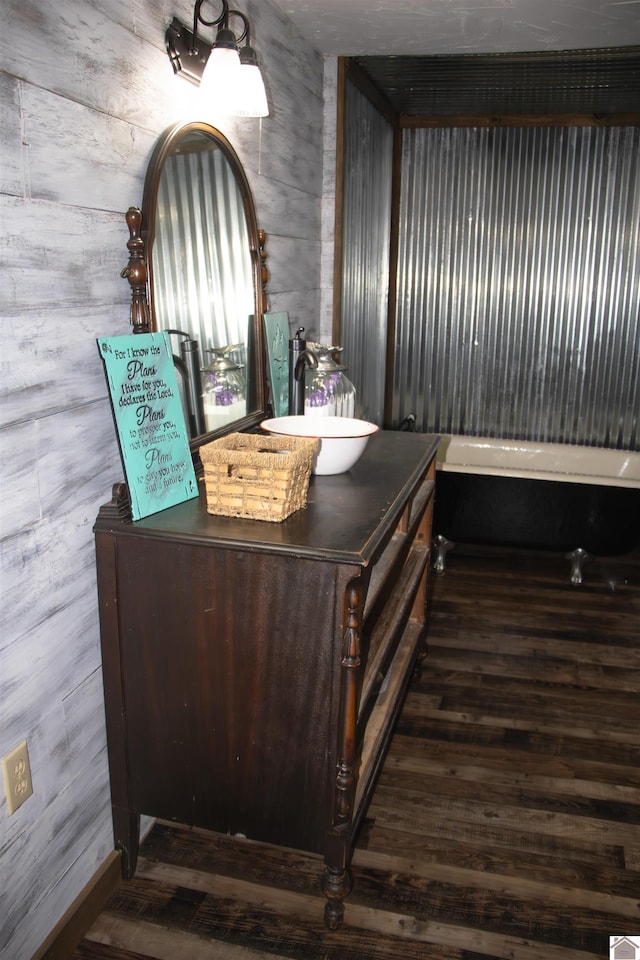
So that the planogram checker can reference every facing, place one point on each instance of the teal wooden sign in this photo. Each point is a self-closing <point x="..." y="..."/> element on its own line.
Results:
<point x="276" y="326"/>
<point x="149" y="420"/>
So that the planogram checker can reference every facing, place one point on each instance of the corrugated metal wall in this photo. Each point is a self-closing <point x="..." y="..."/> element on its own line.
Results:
<point x="519" y="284"/>
<point x="368" y="167"/>
<point x="203" y="279"/>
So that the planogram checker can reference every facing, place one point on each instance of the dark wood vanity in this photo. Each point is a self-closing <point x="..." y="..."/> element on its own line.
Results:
<point x="253" y="670"/>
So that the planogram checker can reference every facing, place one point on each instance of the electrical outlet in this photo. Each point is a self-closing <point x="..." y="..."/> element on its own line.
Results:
<point x="17" y="777"/>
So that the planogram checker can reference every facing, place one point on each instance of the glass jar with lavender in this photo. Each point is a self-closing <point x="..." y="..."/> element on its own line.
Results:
<point x="328" y="391"/>
<point x="224" y="396"/>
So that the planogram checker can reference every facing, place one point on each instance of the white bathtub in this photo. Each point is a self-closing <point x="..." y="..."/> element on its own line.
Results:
<point x="539" y="461"/>
<point x="545" y="495"/>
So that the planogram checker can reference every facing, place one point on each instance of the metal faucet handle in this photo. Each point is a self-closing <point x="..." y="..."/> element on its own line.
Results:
<point x="305" y="358"/>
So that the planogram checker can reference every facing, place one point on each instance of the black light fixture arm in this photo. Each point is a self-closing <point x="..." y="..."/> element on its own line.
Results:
<point x="198" y="18"/>
<point x="246" y="33"/>
<point x="221" y="21"/>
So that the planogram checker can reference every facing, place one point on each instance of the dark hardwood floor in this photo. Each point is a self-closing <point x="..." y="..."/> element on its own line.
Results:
<point x="506" y="821"/>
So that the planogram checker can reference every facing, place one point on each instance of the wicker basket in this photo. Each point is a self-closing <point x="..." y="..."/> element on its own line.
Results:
<point x="261" y="477"/>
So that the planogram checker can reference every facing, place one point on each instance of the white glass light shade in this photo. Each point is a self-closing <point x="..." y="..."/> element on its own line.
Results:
<point x="221" y="72"/>
<point x="250" y="98"/>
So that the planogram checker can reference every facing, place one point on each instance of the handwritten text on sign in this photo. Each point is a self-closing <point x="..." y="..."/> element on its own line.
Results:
<point x="150" y="421"/>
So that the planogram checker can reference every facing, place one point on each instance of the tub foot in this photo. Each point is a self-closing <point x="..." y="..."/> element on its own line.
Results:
<point x="578" y="557"/>
<point x="441" y="547"/>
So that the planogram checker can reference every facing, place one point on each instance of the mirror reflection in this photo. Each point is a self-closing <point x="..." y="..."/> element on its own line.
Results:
<point x="204" y="285"/>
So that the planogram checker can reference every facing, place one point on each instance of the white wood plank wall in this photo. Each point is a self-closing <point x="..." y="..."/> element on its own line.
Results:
<point x="86" y="89"/>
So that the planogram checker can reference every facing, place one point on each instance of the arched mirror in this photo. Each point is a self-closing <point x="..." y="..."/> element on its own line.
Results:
<point x="197" y="271"/>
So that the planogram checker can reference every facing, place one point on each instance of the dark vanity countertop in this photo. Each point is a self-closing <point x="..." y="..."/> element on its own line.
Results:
<point x="342" y="519"/>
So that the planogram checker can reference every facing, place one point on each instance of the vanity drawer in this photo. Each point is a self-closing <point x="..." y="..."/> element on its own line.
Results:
<point x="391" y="624"/>
<point x="393" y="632"/>
<point x="384" y="711"/>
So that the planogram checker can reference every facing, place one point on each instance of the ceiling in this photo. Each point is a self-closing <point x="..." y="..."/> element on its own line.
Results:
<point x="481" y="57"/>
<point x="427" y="27"/>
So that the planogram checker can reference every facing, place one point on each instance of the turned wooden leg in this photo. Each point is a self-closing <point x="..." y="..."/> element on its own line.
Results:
<point x="336" y="885"/>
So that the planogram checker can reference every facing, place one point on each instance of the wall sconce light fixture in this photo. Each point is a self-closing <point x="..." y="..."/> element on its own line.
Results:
<point x="224" y="69"/>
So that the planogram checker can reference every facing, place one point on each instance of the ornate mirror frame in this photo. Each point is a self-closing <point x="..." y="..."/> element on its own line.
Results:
<point x="142" y="225"/>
